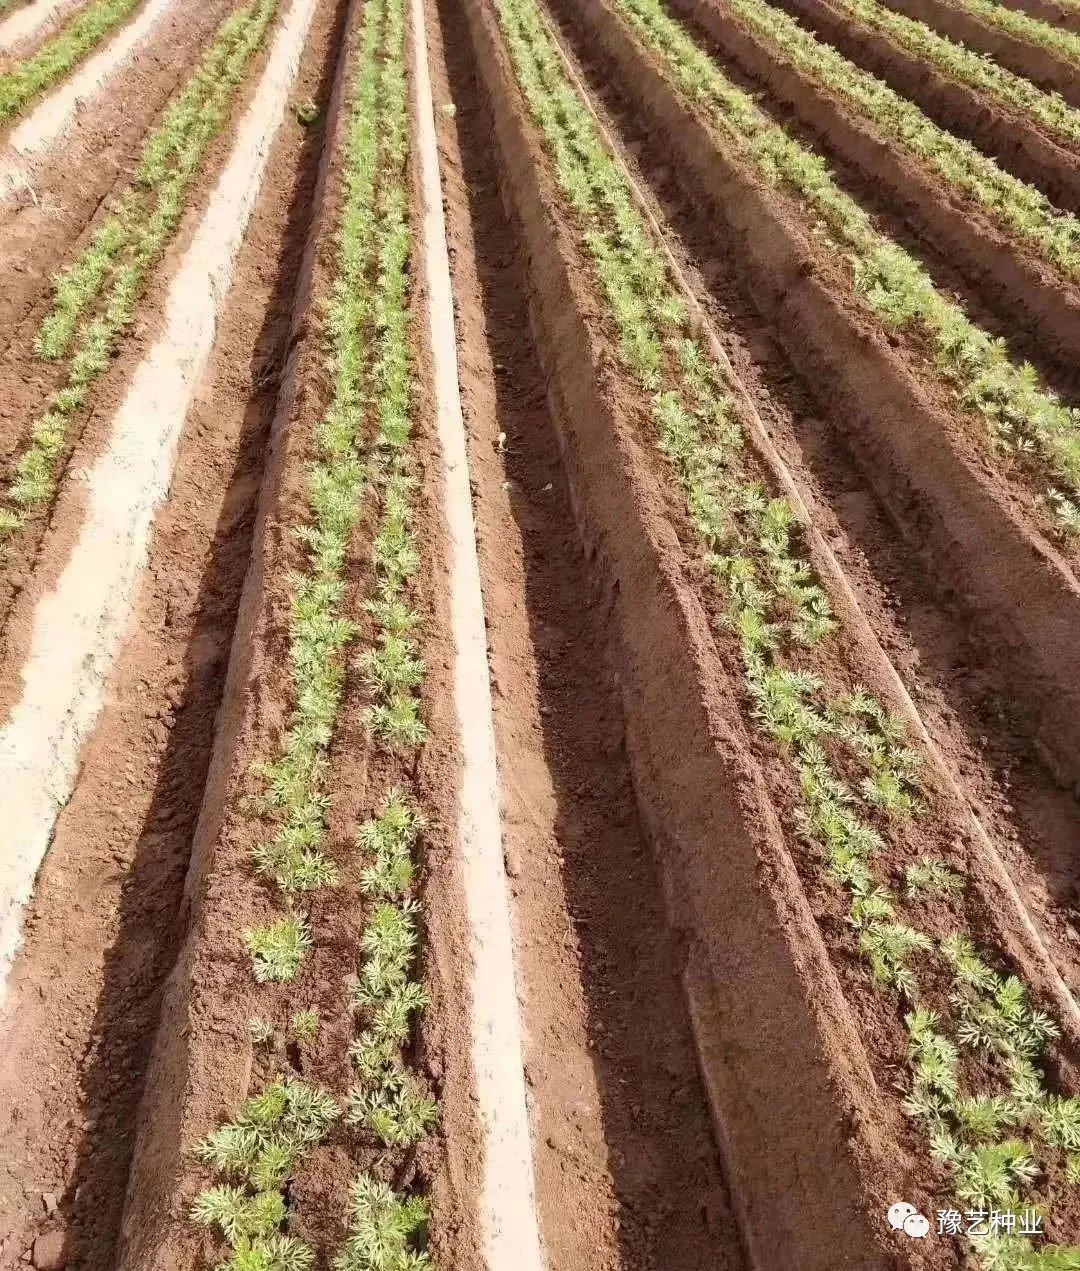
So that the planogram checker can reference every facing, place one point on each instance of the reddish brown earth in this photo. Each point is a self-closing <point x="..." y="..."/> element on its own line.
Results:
<point x="594" y="430"/>
<point x="1049" y="70"/>
<point x="627" y="1169"/>
<point x="705" y="1059"/>
<point x="39" y="227"/>
<point x="928" y="462"/>
<point x="1018" y="142"/>
<point x="202" y="1066"/>
<point x="955" y="674"/>
<point x="1025" y="290"/>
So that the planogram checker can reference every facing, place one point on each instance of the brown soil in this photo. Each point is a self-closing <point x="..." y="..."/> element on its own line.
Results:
<point x="627" y="1169"/>
<point x="38" y="229"/>
<point x="952" y="669"/>
<point x="203" y="1065"/>
<point x="102" y="934"/>
<point x="706" y="1062"/>
<point x="1048" y="70"/>
<point x="35" y="557"/>
<point x="1027" y="292"/>
<point x="1066" y="15"/>
<point x="1009" y="135"/>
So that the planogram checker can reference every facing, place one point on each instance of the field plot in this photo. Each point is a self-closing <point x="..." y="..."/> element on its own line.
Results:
<point x="539" y="608"/>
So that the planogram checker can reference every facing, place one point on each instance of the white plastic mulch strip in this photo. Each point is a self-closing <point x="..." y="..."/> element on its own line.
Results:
<point x="53" y="116"/>
<point x="30" y="19"/>
<point x="512" y="1237"/>
<point x="79" y="626"/>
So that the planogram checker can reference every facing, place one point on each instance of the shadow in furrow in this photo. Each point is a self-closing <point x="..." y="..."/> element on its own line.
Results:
<point x="672" y="1211"/>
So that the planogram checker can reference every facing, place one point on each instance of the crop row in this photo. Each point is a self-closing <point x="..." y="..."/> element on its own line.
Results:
<point x="855" y="776"/>
<point x="37" y="72"/>
<point x="978" y="70"/>
<point x="1021" y="414"/>
<point x="96" y="297"/>
<point x="1020" y="207"/>
<point x="360" y="453"/>
<point x="1045" y="35"/>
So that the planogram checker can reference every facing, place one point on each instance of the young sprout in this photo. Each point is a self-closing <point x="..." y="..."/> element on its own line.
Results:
<point x="382" y="1229"/>
<point x="305" y="1025"/>
<point x="261" y="1031"/>
<point x="396" y="1112"/>
<point x="931" y="876"/>
<point x="388" y="841"/>
<point x="398" y="722"/>
<point x="271" y="1130"/>
<point x="278" y="949"/>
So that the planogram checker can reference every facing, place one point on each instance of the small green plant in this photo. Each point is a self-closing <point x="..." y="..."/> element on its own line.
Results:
<point x="930" y="876"/>
<point x="288" y="1117"/>
<point x="388" y="842"/>
<point x="261" y="1031"/>
<point x="396" y="1112"/>
<point x="306" y="113"/>
<point x="888" y="946"/>
<point x="261" y="1147"/>
<point x="305" y="1025"/>
<point x="250" y="1225"/>
<point x="278" y="949"/>
<point x="393" y="666"/>
<point x="398" y="723"/>
<point x="377" y="1049"/>
<point x="382" y="1230"/>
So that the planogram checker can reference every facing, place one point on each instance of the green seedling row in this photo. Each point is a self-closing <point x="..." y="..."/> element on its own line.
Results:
<point x="32" y="76"/>
<point x="1020" y="208"/>
<point x="96" y="298"/>
<point x="360" y="453"/>
<point x="981" y="72"/>
<point x="855" y="774"/>
<point x="1055" y="39"/>
<point x="1023" y="417"/>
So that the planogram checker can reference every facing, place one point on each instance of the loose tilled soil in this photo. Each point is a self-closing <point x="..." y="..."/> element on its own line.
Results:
<point x="706" y="1063"/>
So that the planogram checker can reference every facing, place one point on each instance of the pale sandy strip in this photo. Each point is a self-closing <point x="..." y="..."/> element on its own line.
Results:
<point x="79" y="626"/>
<point x="52" y="117"/>
<point x="512" y="1236"/>
<point x="24" y="23"/>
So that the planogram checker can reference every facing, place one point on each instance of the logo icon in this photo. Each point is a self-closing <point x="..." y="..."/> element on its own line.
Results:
<point x="906" y="1218"/>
